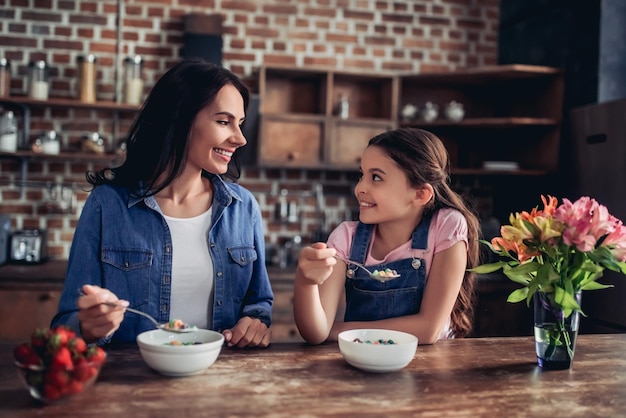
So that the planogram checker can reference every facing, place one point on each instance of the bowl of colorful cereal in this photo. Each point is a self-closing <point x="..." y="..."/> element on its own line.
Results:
<point x="377" y="350"/>
<point x="180" y="354"/>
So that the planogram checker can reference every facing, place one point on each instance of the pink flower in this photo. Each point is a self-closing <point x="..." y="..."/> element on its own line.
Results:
<point x="617" y="240"/>
<point x="586" y="222"/>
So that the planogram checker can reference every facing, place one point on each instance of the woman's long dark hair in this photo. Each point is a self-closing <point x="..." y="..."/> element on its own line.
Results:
<point x="157" y="141"/>
<point x="425" y="160"/>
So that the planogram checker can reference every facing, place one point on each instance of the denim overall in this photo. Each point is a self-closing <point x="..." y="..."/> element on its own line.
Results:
<point x="368" y="299"/>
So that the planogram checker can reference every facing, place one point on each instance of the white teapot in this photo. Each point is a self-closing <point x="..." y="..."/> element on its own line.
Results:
<point x="429" y="112"/>
<point x="409" y="112"/>
<point x="454" y="111"/>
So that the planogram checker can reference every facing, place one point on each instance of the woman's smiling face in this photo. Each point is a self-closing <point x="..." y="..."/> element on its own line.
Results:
<point x="383" y="191"/>
<point x="216" y="132"/>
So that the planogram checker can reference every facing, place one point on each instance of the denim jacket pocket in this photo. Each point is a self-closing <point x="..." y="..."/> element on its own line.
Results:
<point x="127" y="259"/>
<point x="127" y="273"/>
<point x="242" y="255"/>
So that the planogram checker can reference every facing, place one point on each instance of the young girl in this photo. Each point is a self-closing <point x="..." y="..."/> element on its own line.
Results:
<point x="164" y="232"/>
<point x="410" y="221"/>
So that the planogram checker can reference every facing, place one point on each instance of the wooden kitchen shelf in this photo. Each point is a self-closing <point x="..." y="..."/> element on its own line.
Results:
<point x="512" y="113"/>
<point x="68" y="103"/>
<point x="62" y="157"/>
<point x="298" y="122"/>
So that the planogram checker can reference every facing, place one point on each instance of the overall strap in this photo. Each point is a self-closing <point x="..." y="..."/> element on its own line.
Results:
<point x="420" y="235"/>
<point x="361" y="242"/>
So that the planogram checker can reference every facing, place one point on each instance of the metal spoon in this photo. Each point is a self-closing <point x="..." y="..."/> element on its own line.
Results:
<point x="374" y="276"/>
<point x="164" y="327"/>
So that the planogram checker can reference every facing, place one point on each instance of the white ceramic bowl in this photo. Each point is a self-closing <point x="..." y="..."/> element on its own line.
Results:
<point x="180" y="360"/>
<point x="377" y="358"/>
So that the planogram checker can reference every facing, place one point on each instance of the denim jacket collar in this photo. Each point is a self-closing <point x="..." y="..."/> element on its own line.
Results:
<point x="221" y="194"/>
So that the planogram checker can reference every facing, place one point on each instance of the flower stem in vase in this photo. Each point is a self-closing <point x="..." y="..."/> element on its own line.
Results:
<point x="555" y="335"/>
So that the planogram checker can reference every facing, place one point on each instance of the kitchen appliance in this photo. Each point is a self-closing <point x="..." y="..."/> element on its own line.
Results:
<point x="5" y="237"/>
<point x="29" y="246"/>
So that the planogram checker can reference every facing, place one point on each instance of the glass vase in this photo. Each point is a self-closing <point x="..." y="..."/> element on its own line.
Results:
<point x="555" y="335"/>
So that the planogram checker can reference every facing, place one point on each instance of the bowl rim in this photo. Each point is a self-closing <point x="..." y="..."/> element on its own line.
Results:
<point x="161" y="347"/>
<point x="412" y="339"/>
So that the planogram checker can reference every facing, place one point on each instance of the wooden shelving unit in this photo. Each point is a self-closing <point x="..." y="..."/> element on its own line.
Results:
<point x="299" y="124"/>
<point x="512" y="113"/>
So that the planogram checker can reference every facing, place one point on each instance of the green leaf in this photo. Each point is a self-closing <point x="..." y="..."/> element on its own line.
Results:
<point x="518" y="295"/>
<point x="592" y="285"/>
<point x="488" y="268"/>
<point x="565" y="300"/>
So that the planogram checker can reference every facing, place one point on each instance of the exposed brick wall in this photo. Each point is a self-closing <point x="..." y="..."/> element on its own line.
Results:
<point x="368" y="35"/>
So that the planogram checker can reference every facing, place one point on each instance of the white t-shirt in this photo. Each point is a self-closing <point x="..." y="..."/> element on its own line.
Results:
<point x="192" y="270"/>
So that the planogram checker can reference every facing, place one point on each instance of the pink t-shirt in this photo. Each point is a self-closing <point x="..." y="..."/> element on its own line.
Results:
<point x="447" y="227"/>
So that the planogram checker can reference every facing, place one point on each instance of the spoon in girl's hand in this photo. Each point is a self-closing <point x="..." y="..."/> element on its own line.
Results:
<point x="175" y="325"/>
<point x="381" y="276"/>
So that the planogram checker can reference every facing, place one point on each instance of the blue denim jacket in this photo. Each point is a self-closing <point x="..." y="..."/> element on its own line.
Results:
<point x="122" y="243"/>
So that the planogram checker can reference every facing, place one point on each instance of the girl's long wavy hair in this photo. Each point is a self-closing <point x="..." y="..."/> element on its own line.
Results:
<point x="424" y="158"/>
<point x="156" y="146"/>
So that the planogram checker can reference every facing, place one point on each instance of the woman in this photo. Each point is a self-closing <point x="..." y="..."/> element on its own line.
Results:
<point x="164" y="233"/>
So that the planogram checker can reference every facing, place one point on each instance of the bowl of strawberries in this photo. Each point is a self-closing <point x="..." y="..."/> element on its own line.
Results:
<point x="56" y="364"/>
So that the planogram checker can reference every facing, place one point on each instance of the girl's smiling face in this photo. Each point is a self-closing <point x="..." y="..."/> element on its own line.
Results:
<point x="383" y="191"/>
<point x="216" y="132"/>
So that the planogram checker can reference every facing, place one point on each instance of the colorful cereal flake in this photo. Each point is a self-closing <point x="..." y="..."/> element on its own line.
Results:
<point x="374" y="342"/>
<point x="385" y="273"/>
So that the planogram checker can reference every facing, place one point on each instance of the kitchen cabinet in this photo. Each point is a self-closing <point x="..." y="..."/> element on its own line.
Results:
<point x="22" y="310"/>
<point x="29" y="297"/>
<point x="512" y="117"/>
<point x="300" y="124"/>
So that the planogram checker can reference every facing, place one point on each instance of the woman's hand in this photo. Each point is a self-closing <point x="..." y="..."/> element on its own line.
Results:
<point x="249" y="332"/>
<point x="315" y="264"/>
<point x="96" y="319"/>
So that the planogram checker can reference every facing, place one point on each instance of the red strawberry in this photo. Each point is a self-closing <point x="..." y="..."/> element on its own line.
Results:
<point x="58" y="378"/>
<point x="77" y="345"/>
<point x="83" y="371"/>
<point x="62" y="359"/>
<point x="25" y="354"/>
<point x="39" y="338"/>
<point x="96" y="354"/>
<point x="64" y="334"/>
<point x="74" y="386"/>
<point x="50" y="392"/>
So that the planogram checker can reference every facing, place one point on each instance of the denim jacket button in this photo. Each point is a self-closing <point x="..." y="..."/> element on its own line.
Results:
<point x="126" y="264"/>
<point x="219" y="274"/>
<point x="219" y="303"/>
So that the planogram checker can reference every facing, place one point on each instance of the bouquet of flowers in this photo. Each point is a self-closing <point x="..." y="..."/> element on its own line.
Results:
<point x="558" y="252"/>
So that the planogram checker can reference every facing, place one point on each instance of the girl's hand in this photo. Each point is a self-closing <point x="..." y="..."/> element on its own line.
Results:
<point x="96" y="319"/>
<point x="315" y="264"/>
<point x="249" y="332"/>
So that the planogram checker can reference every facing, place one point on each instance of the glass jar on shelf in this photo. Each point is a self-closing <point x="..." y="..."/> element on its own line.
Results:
<point x="5" y="77"/>
<point x="87" y="78"/>
<point x="133" y="81"/>
<point x="38" y="82"/>
<point x="50" y="143"/>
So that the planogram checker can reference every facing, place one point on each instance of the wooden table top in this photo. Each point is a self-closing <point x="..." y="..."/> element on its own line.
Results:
<point x="477" y="377"/>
